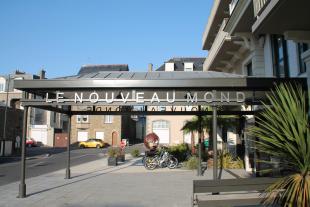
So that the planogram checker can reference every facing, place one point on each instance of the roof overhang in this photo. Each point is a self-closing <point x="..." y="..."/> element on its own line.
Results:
<point x="74" y="95"/>
<point x="222" y="55"/>
<point x="220" y="10"/>
<point x="280" y="16"/>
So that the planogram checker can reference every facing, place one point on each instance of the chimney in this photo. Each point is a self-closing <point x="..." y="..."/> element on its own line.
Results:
<point x="42" y="74"/>
<point x="150" y="67"/>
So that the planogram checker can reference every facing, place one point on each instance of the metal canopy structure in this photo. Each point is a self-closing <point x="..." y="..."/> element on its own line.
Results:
<point x="118" y="93"/>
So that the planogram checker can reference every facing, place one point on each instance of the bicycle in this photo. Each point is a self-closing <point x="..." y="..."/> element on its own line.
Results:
<point x="164" y="159"/>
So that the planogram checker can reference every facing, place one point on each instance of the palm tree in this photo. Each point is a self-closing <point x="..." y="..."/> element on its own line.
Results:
<point x="193" y="125"/>
<point x="199" y="125"/>
<point x="283" y="132"/>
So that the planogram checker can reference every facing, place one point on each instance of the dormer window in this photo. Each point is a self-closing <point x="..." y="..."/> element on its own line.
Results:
<point x="169" y="66"/>
<point x="188" y="67"/>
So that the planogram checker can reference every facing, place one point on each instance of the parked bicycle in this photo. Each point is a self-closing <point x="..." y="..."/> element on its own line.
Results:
<point x="164" y="159"/>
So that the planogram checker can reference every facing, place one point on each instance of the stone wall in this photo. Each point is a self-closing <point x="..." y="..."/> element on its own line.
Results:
<point x="96" y="123"/>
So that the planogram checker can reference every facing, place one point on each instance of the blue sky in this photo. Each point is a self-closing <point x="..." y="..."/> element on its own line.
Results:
<point x="62" y="35"/>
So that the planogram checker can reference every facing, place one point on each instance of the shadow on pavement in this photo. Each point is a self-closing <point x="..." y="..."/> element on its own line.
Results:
<point x="88" y="178"/>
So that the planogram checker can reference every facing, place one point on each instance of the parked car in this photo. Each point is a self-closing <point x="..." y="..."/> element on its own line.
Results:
<point x="30" y="142"/>
<point x="97" y="143"/>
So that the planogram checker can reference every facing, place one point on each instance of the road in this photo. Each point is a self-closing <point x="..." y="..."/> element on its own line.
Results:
<point x="41" y="160"/>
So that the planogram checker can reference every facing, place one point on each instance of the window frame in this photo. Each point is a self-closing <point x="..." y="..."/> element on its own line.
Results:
<point x="275" y="56"/>
<point x="79" y="119"/>
<point x="161" y="125"/>
<point x="108" y="119"/>
<point x="301" y="48"/>
<point x="2" y="87"/>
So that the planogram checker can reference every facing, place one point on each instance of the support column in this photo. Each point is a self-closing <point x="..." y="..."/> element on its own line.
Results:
<point x="199" y="171"/>
<point x="68" y="173"/>
<point x="214" y="132"/>
<point x="22" y="185"/>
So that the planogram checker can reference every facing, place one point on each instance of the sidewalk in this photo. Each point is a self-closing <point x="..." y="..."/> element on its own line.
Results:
<point x="95" y="184"/>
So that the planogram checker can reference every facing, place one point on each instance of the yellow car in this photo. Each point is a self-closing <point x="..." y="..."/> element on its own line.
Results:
<point x="97" y="143"/>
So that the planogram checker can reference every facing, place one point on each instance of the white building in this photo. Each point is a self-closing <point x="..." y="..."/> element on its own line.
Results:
<point x="42" y="124"/>
<point x="168" y="128"/>
<point x="263" y="38"/>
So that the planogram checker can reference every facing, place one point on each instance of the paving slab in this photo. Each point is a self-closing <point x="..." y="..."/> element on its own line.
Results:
<point x="95" y="184"/>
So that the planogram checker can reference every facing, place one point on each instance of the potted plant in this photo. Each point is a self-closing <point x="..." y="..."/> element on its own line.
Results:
<point x="113" y="153"/>
<point x="121" y="155"/>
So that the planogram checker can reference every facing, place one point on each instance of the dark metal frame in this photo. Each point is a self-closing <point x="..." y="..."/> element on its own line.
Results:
<point x="40" y="87"/>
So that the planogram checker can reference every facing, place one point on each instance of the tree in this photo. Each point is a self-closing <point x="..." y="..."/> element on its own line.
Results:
<point x="283" y="133"/>
<point x="197" y="125"/>
<point x="193" y="125"/>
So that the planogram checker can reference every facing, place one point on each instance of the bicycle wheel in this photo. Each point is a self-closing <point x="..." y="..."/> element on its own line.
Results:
<point x="172" y="162"/>
<point x="150" y="163"/>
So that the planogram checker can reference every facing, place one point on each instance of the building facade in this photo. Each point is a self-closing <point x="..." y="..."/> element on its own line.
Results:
<point x="42" y="124"/>
<point x="109" y="128"/>
<point x="169" y="128"/>
<point x="261" y="38"/>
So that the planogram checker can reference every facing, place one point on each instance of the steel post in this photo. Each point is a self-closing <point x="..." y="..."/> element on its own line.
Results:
<point x="68" y="173"/>
<point x="22" y="185"/>
<point x="199" y="169"/>
<point x="214" y="134"/>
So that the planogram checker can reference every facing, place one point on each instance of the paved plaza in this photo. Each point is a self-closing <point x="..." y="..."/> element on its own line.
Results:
<point x="94" y="184"/>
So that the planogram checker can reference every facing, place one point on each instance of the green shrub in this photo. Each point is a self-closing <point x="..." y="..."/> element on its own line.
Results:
<point x="135" y="152"/>
<point x="180" y="151"/>
<point x="114" y="151"/>
<point x="192" y="163"/>
<point x="227" y="161"/>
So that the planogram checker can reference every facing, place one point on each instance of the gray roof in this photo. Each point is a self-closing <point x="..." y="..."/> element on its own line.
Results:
<point x="159" y="79"/>
<point x="97" y="68"/>
<point x="179" y="63"/>
<point x="155" y="75"/>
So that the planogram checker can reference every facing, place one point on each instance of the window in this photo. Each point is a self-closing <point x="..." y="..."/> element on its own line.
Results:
<point x="1" y="87"/>
<point x="302" y="47"/>
<point x="188" y="67"/>
<point x="100" y="135"/>
<point x="160" y="124"/>
<point x="108" y="119"/>
<point x="249" y="69"/>
<point x="82" y="119"/>
<point x="280" y="57"/>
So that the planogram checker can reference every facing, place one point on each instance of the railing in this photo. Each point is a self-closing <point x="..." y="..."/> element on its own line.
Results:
<point x="259" y="6"/>
<point x="232" y="6"/>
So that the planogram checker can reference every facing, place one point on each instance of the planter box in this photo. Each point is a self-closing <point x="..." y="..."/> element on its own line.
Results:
<point x="121" y="158"/>
<point x="112" y="161"/>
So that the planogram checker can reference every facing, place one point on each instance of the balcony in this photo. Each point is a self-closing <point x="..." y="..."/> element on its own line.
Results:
<point x="218" y="54"/>
<point x="259" y="6"/>
<point x="232" y="6"/>
<point x="280" y="16"/>
<point x="220" y="10"/>
<point x="241" y="17"/>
